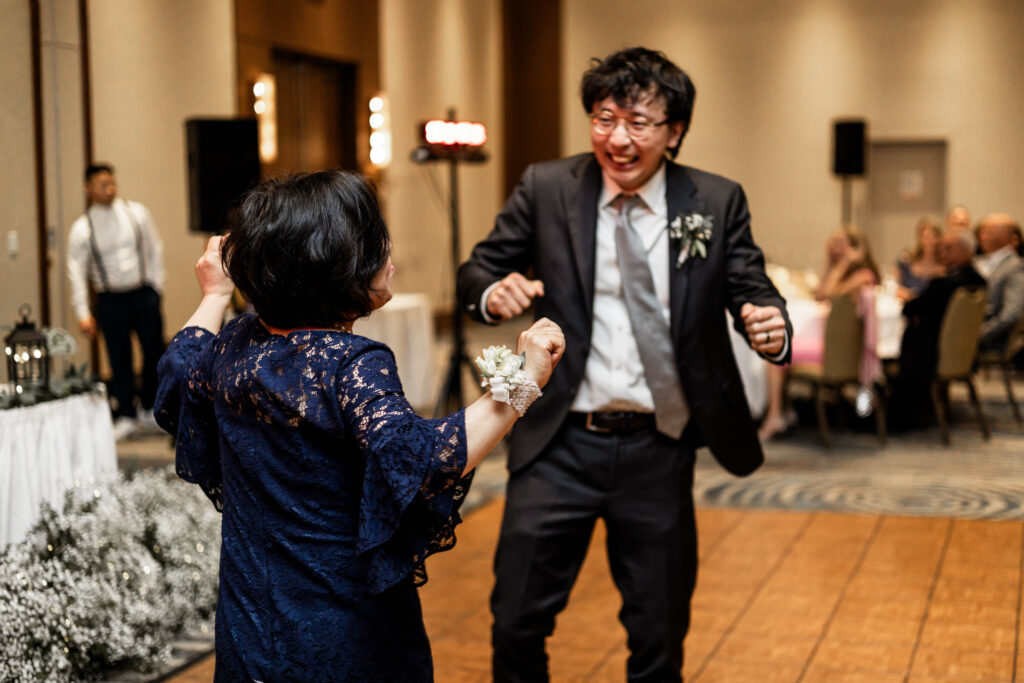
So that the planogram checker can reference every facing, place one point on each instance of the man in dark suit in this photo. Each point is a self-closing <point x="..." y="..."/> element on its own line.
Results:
<point x="606" y="234"/>
<point x="919" y="350"/>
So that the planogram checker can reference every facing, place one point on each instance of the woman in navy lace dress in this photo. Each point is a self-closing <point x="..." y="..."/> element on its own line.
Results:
<point x="333" y="491"/>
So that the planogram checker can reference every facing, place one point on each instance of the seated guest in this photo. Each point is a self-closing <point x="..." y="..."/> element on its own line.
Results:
<point x="919" y="267"/>
<point x="911" y="402"/>
<point x="849" y="270"/>
<point x="958" y="218"/>
<point x="1004" y="272"/>
<point x="333" y="491"/>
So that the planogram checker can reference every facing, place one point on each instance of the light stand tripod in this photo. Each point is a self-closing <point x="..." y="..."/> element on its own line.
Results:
<point x="457" y="141"/>
<point x="450" y="398"/>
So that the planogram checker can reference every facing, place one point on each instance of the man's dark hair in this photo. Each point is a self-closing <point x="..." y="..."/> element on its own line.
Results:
<point x="304" y="250"/>
<point x="98" y="167"/>
<point x="630" y="75"/>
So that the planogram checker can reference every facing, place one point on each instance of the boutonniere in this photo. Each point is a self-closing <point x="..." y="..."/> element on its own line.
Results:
<point x="692" y="232"/>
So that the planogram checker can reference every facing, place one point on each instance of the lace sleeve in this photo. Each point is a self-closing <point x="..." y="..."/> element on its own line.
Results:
<point x="184" y="409"/>
<point x="412" y="485"/>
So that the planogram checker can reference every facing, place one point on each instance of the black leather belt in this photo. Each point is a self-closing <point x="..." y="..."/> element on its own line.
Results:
<point x="613" y="423"/>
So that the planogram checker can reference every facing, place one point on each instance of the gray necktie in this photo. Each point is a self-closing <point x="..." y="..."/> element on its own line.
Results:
<point x="650" y="329"/>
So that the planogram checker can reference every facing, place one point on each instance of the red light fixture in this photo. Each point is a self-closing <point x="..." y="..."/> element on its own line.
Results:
<point x="456" y="140"/>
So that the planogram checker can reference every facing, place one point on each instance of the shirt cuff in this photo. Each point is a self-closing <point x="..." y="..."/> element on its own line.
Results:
<point x="483" y="304"/>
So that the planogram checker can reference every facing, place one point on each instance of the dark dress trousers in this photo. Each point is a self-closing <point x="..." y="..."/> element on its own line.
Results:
<point x="562" y="476"/>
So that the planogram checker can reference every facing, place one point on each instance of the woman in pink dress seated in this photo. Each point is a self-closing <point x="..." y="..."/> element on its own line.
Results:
<point x="850" y="270"/>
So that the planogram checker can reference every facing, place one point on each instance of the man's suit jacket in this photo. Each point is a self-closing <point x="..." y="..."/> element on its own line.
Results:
<point x="919" y="348"/>
<point x="1005" y="302"/>
<point x="549" y="225"/>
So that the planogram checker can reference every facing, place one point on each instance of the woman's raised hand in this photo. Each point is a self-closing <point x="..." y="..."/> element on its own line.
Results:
<point x="210" y="270"/>
<point x="544" y="344"/>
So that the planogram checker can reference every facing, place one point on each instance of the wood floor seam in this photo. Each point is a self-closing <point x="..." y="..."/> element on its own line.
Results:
<point x="1020" y="600"/>
<point x="931" y="594"/>
<point x="755" y="593"/>
<point x="868" y="542"/>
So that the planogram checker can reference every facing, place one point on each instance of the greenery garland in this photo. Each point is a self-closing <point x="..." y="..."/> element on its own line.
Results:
<point x="109" y="580"/>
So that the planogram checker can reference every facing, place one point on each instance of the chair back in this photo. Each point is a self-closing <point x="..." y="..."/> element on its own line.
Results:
<point x="958" y="336"/>
<point x="1015" y="342"/>
<point x="844" y="341"/>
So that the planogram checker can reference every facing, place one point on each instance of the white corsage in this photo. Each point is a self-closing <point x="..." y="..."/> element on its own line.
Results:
<point x="693" y="232"/>
<point x="502" y="373"/>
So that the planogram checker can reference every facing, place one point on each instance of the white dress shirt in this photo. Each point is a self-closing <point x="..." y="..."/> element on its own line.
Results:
<point x="118" y="249"/>
<point x="614" y="375"/>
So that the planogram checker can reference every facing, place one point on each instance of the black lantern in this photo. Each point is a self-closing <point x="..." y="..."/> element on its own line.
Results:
<point x="28" y="359"/>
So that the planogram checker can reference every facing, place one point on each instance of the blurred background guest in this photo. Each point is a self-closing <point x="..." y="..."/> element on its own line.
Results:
<point x="1017" y="240"/>
<point x="116" y="245"/>
<point x="849" y="270"/>
<point x="917" y="268"/>
<point x="958" y="218"/>
<point x="910" y="405"/>
<point x="1003" y="270"/>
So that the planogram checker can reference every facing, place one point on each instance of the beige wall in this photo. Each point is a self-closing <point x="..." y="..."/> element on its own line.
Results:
<point x="155" y="64"/>
<point x="771" y="77"/>
<point x="18" y="274"/>
<point x="437" y="54"/>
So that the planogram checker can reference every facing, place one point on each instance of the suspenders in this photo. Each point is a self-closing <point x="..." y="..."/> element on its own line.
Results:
<point x="97" y="260"/>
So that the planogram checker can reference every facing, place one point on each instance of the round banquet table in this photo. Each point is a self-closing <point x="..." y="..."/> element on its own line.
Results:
<point x="406" y="324"/>
<point x="45" y="449"/>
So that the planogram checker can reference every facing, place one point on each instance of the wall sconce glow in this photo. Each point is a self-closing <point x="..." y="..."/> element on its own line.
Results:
<point x="265" y="106"/>
<point x="380" y="137"/>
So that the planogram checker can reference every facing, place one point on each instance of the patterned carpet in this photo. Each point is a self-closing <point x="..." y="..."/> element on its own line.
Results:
<point x="914" y="474"/>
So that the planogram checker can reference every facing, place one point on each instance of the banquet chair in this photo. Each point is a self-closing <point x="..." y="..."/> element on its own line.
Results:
<point x="1003" y="359"/>
<point x="958" y="348"/>
<point x="840" y="366"/>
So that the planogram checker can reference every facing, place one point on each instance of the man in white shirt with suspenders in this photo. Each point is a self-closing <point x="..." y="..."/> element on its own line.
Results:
<point x="115" y="244"/>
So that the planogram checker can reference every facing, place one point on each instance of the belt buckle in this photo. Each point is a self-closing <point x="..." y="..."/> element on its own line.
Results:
<point x="591" y="427"/>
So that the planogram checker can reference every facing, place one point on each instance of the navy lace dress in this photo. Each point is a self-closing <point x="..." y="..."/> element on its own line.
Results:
<point x="333" y="493"/>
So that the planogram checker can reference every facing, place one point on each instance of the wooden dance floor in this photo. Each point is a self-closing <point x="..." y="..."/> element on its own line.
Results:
<point x="781" y="596"/>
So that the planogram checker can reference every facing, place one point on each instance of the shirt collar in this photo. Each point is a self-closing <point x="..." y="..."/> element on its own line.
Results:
<point x="652" y="192"/>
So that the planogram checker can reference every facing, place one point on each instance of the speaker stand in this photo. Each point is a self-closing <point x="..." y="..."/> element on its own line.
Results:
<point x="847" y="201"/>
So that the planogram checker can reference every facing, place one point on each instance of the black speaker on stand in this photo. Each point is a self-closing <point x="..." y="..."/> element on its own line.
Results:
<point x="848" y="158"/>
<point x="223" y="163"/>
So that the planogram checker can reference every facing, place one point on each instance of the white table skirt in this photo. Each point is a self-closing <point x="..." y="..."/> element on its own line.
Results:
<point x="406" y="324"/>
<point x="803" y="314"/>
<point x="44" y="449"/>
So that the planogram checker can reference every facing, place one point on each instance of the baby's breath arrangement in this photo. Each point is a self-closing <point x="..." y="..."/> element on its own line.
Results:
<point x="109" y="580"/>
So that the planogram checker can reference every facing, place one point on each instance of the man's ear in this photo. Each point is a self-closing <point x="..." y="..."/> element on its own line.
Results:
<point x="676" y="130"/>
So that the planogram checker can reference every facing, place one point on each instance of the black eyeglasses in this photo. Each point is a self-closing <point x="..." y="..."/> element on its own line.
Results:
<point x="637" y="129"/>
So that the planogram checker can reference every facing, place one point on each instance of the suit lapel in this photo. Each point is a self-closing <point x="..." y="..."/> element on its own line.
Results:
<point x="580" y="197"/>
<point x="681" y="199"/>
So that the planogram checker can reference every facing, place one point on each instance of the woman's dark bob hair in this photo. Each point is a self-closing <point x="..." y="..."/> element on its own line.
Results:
<point x="629" y="75"/>
<point x="304" y="250"/>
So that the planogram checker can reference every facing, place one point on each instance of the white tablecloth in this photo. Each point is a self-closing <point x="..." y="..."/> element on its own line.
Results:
<point x="406" y="324"/>
<point x="44" y="449"/>
<point x="803" y="314"/>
